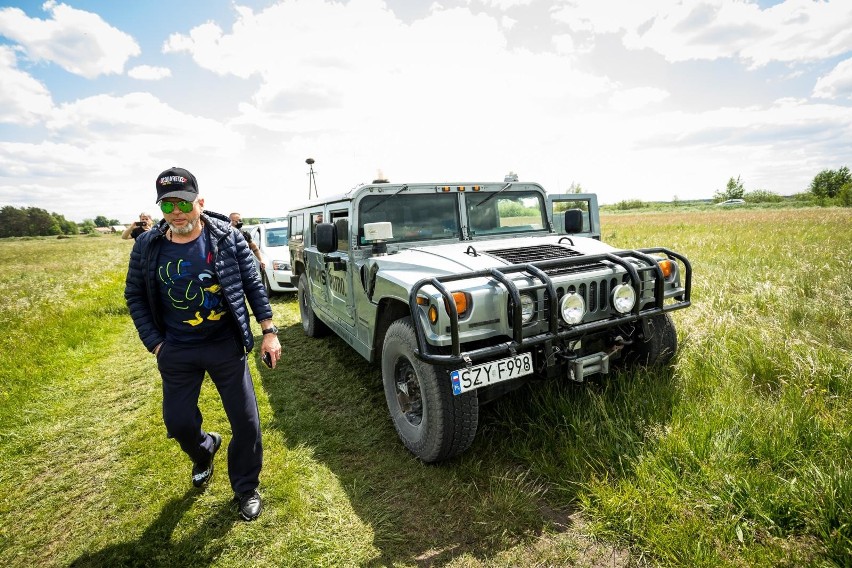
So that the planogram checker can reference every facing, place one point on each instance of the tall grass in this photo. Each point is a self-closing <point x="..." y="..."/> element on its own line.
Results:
<point x="740" y="455"/>
<point x="737" y="455"/>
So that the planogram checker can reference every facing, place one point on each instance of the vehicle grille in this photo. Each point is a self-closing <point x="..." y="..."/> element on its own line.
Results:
<point x="524" y="255"/>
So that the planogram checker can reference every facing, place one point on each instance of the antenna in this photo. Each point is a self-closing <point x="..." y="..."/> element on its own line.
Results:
<point x="312" y="180"/>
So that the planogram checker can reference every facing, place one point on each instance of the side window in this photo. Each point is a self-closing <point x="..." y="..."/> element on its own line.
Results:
<point x="297" y="228"/>
<point x="341" y="221"/>
<point x="316" y="219"/>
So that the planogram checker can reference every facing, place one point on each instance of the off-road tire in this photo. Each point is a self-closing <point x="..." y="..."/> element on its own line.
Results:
<point x="311" y="324"/>
<point x="657" y="348"/>
<point x="432" y="423"/>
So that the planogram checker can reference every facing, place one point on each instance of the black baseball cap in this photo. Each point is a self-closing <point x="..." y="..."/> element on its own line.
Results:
<point x="177" y="182"/>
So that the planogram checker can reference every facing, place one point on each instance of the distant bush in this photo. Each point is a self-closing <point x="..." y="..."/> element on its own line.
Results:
<point x="843" y="198"/>
<point x="733" y="190"/>
<point x="845" y="195"/>
<point x="804" y="197"/>
<point x="829" y="183"/>
<point x="630" y="204"/>
<point x="762" y="196"/>
<point x="513" y="209"/>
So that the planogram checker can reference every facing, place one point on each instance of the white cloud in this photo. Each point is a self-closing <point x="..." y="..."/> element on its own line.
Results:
<point x="78" y="41"/>
<point x="636" y="98"/>
<point x="508" y="23"/>
<point x="23" y="100"/>
<point x="139" y="123"/>
<point x="837" y="84"/>
<point x="453" y="66"/>
<point x="791" y="31"/>
<point x="149" y="73"/>
<point x="505" y="4"/>
<point x="107" y="145"/>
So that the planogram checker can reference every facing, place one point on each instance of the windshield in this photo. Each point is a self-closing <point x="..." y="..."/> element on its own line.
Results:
<point x="415" y="217"/>
<point x="509" y="212"/>
<point x="276" y="237"/>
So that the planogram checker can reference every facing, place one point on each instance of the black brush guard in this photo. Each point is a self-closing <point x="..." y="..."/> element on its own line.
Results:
<point x="536" y="270"/>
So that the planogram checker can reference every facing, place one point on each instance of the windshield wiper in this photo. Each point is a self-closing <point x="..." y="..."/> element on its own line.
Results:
<point x="495" y="194"/>
<point x="397" y="192"/>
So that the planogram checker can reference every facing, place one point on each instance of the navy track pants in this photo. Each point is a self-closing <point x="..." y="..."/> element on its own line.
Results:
<point x="182" y="368"/>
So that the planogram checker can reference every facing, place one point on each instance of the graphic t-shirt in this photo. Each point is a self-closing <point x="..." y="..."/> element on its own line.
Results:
<point x="194" y="308"/>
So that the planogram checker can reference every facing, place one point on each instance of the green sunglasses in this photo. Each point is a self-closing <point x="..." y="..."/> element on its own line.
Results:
<point x="169" y="206"/>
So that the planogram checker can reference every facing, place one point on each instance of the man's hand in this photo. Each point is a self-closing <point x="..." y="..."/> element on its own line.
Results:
<point x="272" y="346"/>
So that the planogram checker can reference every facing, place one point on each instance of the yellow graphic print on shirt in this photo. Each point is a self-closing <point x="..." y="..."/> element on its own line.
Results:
<point x="201" y="296"/>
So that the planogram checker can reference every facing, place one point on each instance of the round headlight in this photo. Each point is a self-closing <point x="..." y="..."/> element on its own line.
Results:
<point x="573" y="308"/>
<point x="527" y="308"/>
<point x="623" y="298"/>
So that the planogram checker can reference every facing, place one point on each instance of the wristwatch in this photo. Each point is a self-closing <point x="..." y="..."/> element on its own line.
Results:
<point x="271" y="329"/>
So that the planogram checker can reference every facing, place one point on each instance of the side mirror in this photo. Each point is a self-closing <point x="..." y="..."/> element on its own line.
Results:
<point x="326" y="238"/>
<point x="573" y="221"/>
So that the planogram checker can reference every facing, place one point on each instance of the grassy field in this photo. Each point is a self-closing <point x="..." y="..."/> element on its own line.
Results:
<point x="740" y="454"/>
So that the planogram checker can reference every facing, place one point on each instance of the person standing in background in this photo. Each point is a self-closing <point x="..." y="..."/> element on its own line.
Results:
<point x="145" y="223"/>
<point x="237" y="222"/>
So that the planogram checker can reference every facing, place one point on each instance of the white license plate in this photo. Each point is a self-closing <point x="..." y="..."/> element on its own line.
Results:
<point x="477" y="376"/>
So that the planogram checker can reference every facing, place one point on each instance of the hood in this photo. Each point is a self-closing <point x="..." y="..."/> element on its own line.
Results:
<point x="413" y="264"/>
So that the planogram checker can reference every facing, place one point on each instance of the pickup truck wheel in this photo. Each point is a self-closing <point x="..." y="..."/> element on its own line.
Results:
<point x="431" y="422"/>
<point x="311" y="324"/>
<point x="658" y="348"/>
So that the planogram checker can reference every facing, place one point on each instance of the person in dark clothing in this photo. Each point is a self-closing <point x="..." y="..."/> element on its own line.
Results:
<point x="237" y="221"/>
<point x="187" y="285"/>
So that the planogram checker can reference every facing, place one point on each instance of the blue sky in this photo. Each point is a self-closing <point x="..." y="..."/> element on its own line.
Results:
<point x="643" y="100"/>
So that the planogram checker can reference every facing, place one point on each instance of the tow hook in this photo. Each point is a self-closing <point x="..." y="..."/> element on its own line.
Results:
<point x="618" y="344"/>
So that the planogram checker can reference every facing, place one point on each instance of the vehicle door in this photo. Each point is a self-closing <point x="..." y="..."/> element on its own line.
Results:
<point x="315" y="266"/>
<point x="584" y="203"/>
<point x="296" y="242"/>
<point x="338" y="270"/>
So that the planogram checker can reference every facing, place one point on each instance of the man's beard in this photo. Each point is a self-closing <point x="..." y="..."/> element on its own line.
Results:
<point x="186" y="229"/>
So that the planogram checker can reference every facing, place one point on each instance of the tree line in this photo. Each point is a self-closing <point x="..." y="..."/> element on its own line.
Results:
<point x="829" y="187"/>
<point x="34" y="222"/>
<point x="37" y="222"/>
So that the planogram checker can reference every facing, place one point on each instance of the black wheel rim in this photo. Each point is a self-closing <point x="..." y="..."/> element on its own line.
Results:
<point x="303" y="301"/>
<point x="407" y="389"/>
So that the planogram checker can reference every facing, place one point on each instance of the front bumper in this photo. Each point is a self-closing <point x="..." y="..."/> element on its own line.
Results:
<point x="556" y="331"/>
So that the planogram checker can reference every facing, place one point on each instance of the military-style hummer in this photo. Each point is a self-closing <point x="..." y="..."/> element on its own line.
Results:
<point x="465" y="291"/>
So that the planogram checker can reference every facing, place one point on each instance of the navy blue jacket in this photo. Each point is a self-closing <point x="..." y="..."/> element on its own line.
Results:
<point x="234" y="266"/>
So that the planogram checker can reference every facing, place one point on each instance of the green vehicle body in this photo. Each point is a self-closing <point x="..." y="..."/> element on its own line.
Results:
<point x="432" y="278"/>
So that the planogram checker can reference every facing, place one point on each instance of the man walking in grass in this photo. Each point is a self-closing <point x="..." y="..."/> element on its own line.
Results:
<point x="186" y="288"/>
